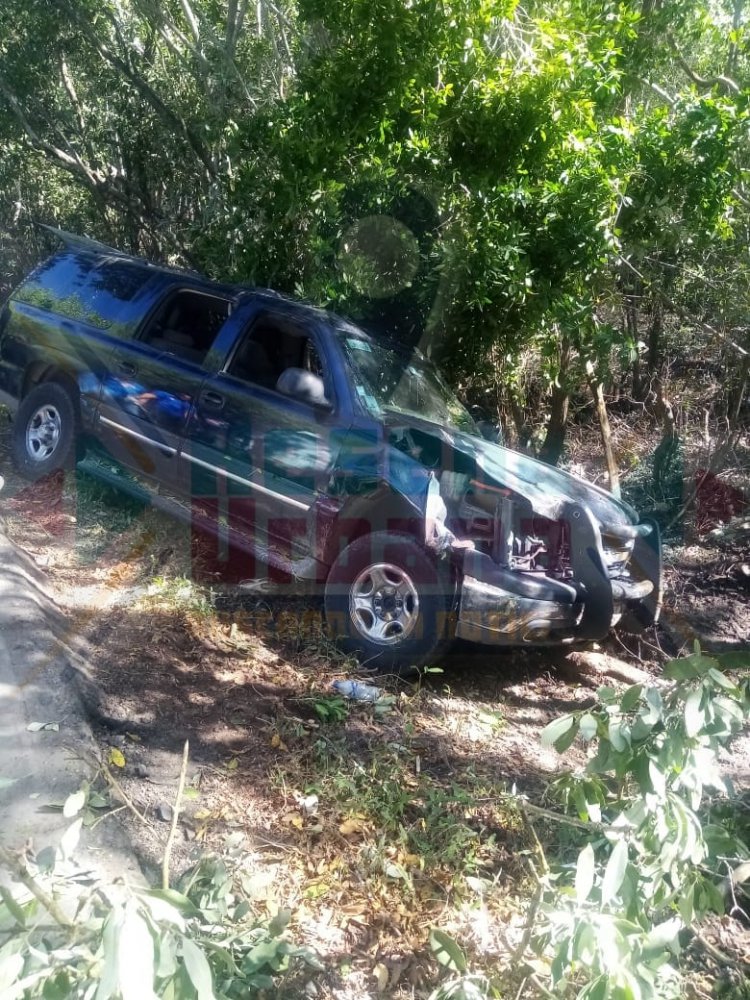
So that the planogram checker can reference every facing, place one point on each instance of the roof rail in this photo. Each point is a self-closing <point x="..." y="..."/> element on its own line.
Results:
<point x="74" y="242"/>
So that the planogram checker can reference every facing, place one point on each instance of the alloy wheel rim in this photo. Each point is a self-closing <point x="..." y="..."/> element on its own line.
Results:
<point x="43" y="433"/>
<point x="384" y="604"/>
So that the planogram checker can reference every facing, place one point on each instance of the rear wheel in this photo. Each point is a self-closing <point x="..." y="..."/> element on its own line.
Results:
<point x="44" y="431"/>
<point x="388" y="601"/>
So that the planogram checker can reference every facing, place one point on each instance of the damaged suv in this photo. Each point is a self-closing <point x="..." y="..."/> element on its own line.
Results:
<point x="327" y="457"/>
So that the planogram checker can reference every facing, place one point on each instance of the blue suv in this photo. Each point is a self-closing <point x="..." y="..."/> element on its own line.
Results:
<point x="326" y="456"/>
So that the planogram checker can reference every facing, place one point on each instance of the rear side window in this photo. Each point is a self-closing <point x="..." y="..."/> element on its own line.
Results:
<point x="186" y="324"/>
<point x="97" y="293"/>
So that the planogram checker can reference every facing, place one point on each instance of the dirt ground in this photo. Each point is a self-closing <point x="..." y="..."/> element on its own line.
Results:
<point x="371" y="823"/>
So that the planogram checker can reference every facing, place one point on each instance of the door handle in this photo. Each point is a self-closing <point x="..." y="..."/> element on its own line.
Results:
<point x="212" y="400"/>
<point x="126" y="368"/>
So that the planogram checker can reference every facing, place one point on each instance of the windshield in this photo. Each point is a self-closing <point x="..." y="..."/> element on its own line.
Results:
<point x="388" y="379"/>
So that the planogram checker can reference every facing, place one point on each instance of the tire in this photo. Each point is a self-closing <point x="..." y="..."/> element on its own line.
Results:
<point x="45" y="431"/>
<point x="389" y="601"/>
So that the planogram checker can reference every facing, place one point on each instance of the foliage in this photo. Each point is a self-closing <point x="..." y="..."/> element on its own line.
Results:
<point x="491" y="179"/>
<point x="656" y="846"/>
<point x="202" y="939"/>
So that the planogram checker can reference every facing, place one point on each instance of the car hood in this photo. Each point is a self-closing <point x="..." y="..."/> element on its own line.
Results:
<point x="546" y="488"/>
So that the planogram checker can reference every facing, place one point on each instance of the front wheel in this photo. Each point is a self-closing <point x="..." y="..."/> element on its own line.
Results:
<point x="44" y="431"/>
<point x="389" y="601"/>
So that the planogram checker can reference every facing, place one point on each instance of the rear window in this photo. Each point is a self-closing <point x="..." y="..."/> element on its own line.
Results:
<point x="93" y="292"/>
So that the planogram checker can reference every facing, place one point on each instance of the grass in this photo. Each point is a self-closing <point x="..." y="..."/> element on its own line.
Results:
<point x="373" y="823"/>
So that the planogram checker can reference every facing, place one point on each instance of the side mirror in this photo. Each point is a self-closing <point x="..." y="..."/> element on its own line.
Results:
<point x="491" y="432"/>
<point x="300" y="384"/>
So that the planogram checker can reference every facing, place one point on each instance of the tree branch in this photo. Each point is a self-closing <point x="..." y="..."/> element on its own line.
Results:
<point x="191" y="19"/>
<point x="72" y="163"/>
<point x="146" y="91"/>
<point x="729" y="86"/>
<point x="16" y="868"/>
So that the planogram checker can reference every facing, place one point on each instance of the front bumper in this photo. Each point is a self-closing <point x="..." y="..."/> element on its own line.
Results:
<point x="502" y="607"/>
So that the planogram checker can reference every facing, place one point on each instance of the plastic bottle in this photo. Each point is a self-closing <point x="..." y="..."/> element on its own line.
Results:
<point x="357" y="691"/>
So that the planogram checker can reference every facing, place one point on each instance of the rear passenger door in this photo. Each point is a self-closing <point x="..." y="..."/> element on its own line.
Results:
<point x="153" y="380"/>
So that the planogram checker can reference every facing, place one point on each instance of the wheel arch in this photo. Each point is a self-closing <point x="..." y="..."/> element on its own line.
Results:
<point x="39" y="372"/>
<point x="382" y="509"/>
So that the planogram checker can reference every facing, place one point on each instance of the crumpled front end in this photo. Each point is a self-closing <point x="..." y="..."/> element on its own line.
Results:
<point x="503" y="607"/>
<point x="527" y="578"/>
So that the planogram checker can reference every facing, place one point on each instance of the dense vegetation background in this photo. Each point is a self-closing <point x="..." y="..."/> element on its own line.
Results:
<point x="550" y="197"/>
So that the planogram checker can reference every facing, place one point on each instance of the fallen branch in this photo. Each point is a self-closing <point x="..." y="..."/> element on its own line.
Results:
<point x="175" y="817"/>
<point x="122" y="793"/>
<point x="14" y="865"/>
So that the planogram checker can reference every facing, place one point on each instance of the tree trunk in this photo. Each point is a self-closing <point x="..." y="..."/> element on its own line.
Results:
<point x="554" y="440"/>
<point x="613" y="472"/>
<point x="631" y="325"/>
<point x="522" y="430"/>
<point x="654" y="337"/>
<point x="668" y="471"/>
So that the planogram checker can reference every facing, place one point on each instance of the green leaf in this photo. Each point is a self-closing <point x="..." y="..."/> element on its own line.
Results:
<point x="588" y="726"/>
<point x="694" y="716"/>
<point x="264" y="953"/>
<point x="663" y="937"/>
<point x="16" y="911"/>
<point x="136" y="958"/>
<point x="720" y="680"/>
<point x="595" y="991"/>
<point x="11" y="967"/>
<point x="109" y="975"/>
<point x="447" y="951"/>
<point x="685" y="906"/>
<point x="711" y="898"/>
<point x="631" y="698"/>
<point x="74" y="803"/>
<point x="585" y="868"/>
<point x="198" y="969"/>
<point x="280" y="922"/>
<point x="557" y="730"/>
<point x="69" y="840"/>
<point x="619" y="735"/>
<point x="176" y="899"/>
<point x="615" y="871"/>
<point x="736" y="660"/>
<point x="689" y="668"/>
<point x="658" y="778"/>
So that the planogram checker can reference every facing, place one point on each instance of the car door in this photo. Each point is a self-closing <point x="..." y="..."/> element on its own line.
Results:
<point x="253" y="455"/>
<point x="153" y="380"/>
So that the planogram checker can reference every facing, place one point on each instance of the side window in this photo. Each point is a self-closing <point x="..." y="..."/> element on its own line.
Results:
<point x="269" y="348"/>
<point x="186" y="324"/>
<point x="75" y="286"/>
<point x="58" y="285"/>
<point x="111" y="287"/>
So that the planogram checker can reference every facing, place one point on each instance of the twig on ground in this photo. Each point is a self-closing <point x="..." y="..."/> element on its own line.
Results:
<point x="106" y="815"/>
<point x="525" y="808"/>
<point x="112" y="780"/>
<point x="531" y="977"/>
<point x="531" y="913"/>
<point x="175" y="817"/>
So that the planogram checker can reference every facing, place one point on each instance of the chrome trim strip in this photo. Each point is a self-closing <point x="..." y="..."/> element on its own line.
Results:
<point x="141" y="437"/>
<point x="246" y="482"/>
